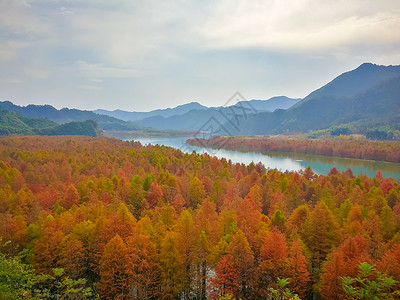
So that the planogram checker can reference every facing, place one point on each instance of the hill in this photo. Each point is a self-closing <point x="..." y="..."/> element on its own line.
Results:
<point x="66" y="115"/>
<point x="369" y="93"/>
<point x="358" y="80"/>
<point x="135" y="116"/>
<point x="12" y="123"/>
<point x="364" y="99"/>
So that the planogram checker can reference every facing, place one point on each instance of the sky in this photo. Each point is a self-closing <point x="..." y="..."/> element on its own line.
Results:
<point x="141" y="55"/>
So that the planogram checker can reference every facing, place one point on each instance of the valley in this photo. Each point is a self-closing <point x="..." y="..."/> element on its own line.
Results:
<point x="168" y="205"/>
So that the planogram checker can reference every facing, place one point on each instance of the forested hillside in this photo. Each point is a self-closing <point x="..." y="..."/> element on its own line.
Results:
<point x="12" y="123"/>
<point x="67" y="115"/>
<point x="361" y="101"/>
<point x="99" y="216"/>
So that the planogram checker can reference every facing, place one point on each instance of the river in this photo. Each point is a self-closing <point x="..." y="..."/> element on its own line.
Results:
<point x="283" y="161"/>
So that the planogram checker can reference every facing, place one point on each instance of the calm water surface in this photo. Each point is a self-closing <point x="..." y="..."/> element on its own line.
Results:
<point x="284" y="161"/>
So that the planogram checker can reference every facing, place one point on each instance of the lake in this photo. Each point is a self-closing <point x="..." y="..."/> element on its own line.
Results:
<point x="283" y="161"/>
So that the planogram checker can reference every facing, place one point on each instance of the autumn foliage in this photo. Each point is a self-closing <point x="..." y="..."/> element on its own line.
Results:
<point x="155" y="223"/>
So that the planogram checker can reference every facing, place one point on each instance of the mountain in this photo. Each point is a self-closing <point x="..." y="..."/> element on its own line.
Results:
<point x="379" y="103"/>
<point x="366" y="97"/>
<point x="192" y="120"/>
<point x="365" y="100"/>
<point x="135" y="116"/>
<point x="12" y="123"/>
<point x="198" y="118"/>
<point x="272" y="104"/>
<point x="66" y="115"/>
<point x="359" y="80"/>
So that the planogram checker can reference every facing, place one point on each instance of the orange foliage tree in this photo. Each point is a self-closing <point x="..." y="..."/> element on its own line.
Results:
<point x="115" y="270"/>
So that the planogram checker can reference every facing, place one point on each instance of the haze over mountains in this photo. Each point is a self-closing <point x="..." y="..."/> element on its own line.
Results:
<point x="135" y="116"/>
<point x="271" y="104"/>
<point x="196" y="119"/>
<point x="356" y="101"/>
<point x="190" y="116"/>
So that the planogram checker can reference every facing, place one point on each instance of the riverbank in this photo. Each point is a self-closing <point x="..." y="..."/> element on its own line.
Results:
<point x="387" y="151"/>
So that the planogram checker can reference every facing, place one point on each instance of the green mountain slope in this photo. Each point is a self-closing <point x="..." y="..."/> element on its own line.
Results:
<point x="12" y="123"/>
<point x="369" y="93"/>
<point x="353" y="82"/>
<point x="365" y="98"/>
<point x="66" y="115"/>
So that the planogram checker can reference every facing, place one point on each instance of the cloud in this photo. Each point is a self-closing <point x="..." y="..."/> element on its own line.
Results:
<point x="65" y="11"/>
<point x="37" y="73"/>
<point x="189" y="49"/>
<point x="9" y="50"/>
<point x="299" y="25"/>
<point x="12" y="81"/>
<point x="147" y="33"/>
<point x="19" y="19"/>
<point x="96" y="71"/>
<point x="90" y="87"/>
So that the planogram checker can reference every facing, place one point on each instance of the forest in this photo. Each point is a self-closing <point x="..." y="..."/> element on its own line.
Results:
<point x="388" y="151"/>
<point x="12" y="123"/>
<point x="87" y="218"/>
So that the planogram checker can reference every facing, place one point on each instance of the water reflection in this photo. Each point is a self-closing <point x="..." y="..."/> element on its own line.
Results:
<point x="323" y="164"/>
<point x="285" y="161"/>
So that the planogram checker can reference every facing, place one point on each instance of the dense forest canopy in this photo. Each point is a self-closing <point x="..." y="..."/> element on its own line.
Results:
<point x="83" y="216"/>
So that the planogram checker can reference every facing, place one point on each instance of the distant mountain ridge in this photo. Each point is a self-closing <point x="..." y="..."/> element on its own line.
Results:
<point x="131" y="116"/>
<point x="364" y="99"/>
<point x="272" y="104"/>
<point x="66" y="115"/>
<point x="196" y="118"/>
<point x="190" y="116"/>
<point x="192" y="120"/>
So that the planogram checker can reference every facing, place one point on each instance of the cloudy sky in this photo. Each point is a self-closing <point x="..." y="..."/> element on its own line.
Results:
<point x="142" y="55"/>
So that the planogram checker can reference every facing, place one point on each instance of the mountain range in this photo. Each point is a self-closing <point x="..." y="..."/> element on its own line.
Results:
<point x="358" y="101"/>
<point x="195" y="119"/>
<point x="184" y="117"/>
<point x="157" y="116"/>
<point x="66" y="115"/>
<point x="364" y="98"/>
<point x="132" y="116"/>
